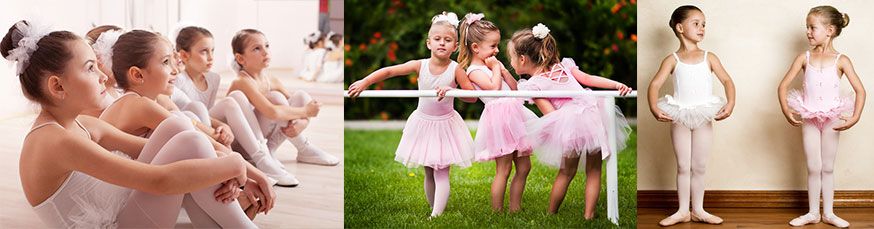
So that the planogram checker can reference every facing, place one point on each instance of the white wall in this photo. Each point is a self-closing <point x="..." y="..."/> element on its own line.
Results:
<point x="11" y="98"/>
<point x="285" y="22"/>
<point x="755" y="149"/>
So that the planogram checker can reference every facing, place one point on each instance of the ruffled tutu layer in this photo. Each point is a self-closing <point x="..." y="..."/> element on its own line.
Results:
<point x="435" y="141"/>
<point x="575" y="128"/>
<point x="501" y="129"/>
<point x="796" y="101"/>
<point x="691" y="116"/>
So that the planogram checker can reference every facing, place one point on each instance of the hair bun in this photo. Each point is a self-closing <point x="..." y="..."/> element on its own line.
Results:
<point x="846" y="20"/>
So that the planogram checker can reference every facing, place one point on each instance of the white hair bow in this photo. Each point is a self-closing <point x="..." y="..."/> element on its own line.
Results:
<point x="540" y="31"/>
<point x="103" y="46"/>
<point x="30" y="32"/>
<point x="446" y="16"/>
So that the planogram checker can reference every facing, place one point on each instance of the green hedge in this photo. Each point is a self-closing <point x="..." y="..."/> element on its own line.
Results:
<point x="599" y="35"/>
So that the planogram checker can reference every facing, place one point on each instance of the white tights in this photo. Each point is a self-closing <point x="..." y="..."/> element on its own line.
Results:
<point x="692" y="148"/>
<point x="175" y="139"/>
<point x="271" y="129"/>
<point x="437" y="189"/>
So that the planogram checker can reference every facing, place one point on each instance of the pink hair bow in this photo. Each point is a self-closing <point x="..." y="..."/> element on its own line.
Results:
<point x="473" y="17"/>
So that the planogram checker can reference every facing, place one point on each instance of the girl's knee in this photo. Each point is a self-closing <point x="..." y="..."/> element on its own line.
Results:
<point x="503" y="170"/>
<point x="523" y="170"/>
<point x="229" y="102"/>
<point x="177" y="123"/>
<point x="828" y="170"/>
<point x="193" y="144"/>
<point x="569" y="172"/>
<point x="238" y="96"/>
<point x="699" y="170"/>
<point x="299" y="98"/>
<point x="276" y="98"/>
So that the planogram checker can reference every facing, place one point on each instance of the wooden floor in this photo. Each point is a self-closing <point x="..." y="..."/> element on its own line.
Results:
<point x="316" y="203"/>
<point x="756" y="217"/>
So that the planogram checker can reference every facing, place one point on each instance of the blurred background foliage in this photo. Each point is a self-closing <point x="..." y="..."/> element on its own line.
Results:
<point x="599" y="35"/>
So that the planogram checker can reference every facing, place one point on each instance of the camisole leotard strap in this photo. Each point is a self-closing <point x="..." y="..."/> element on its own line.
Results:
<point x="59" y="125"/>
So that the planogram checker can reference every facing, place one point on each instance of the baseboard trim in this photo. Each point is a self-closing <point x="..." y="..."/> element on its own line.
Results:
<point x="754" y="198"/>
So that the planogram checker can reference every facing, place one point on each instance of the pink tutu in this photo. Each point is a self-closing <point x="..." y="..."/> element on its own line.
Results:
<point x="576" y="127"/>
<point x="502" y="130"/>
<point x="435" y="141"/>
<point x="819" y="115"/>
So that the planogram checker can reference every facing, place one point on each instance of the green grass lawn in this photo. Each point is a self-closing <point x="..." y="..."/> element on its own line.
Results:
<point x="380" y="192"/>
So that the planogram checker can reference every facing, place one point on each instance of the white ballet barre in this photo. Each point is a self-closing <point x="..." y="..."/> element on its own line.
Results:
<point x="471" y="93"/>
<point x="608" y="100"/>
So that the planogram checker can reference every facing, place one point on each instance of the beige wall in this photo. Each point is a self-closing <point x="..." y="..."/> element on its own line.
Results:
<point x="755" y="149"/>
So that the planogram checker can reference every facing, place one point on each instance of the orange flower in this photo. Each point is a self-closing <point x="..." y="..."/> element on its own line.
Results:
<point x="606" y="51"/>
<point x="377" y="35"/>
<point x="372" y="40"/>
<point x="380" y="85"/>
<point x="414" y="79"/>
<point x="347" y="47"/>
<point x="633" y="2"/>
<point x="383" y="115"/>
<point x="634" y="37"/>
<point x="393" y="46"/>
<point x="620" y="35"/>
<point x="616" y="7"/>
<point x="391" y="56"/>
<point x="362" y="47"/>
<point x="348" y="62"/>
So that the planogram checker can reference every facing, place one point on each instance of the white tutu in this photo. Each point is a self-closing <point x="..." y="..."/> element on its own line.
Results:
<point x="691" y="116"/>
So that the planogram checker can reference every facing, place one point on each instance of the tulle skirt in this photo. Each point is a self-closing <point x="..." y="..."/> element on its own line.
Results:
<point x="435" y="141"/>
<point x="501" y="129"/>
<point x="575" y="129"/>
<point x="691" y="115"/>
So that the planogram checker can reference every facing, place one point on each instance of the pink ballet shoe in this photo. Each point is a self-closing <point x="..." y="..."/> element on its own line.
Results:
<point x="805" y="219"/>
<point x="675" y="219"/>
<point x="709" y="219"/>
<point x="836" y="221"/>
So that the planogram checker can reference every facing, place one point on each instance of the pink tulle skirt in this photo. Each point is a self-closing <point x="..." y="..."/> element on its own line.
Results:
<point x="574" y="129"/>
<point x="819" y="116"/>
<point x="501" y="129"/>
<point x="435" y="141"/>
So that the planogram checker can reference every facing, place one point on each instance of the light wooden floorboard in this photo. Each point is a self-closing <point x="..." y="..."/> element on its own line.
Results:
<point x="755" y="217"/>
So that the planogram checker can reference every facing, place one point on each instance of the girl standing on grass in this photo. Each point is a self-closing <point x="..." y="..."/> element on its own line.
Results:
<point x="501" y="132"/>
<point x="434" y="136"/>
<point x="571" y="129"/>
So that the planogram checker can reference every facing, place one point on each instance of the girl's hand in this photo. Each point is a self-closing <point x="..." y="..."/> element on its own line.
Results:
<point x="790" y="116"/>
<point x="255" y="192"/>
<point x="659" y="115"/>
<point x="724" y="112"/>
<point x="241" y="179"/>
<point x="223" y="134"/>
<point x="623" y="89"/>
<point x="268" y="199"/>
<point x="312" y="108"/>
<point x="493" y="63"/>
<point x="357" y="87"/>
<point x="228" y="192"/>
<point x="441" y="92"/>
<point x="848" y="122"/>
